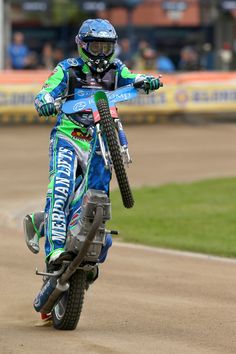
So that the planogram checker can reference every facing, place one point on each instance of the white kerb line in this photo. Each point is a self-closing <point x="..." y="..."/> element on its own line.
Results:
<point x="175" y="253"/>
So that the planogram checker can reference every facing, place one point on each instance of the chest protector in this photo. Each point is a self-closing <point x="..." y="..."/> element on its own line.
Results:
<point x="78" y="80"/>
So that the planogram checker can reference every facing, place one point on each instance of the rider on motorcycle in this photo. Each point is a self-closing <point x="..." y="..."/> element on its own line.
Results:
<point x="72" y="140"/>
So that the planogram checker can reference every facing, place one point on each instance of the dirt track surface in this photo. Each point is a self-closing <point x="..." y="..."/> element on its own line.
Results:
<point x="145" y="301"/>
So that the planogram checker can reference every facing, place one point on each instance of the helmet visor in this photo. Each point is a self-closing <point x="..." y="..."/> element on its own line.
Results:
<point x="98" y="48"/>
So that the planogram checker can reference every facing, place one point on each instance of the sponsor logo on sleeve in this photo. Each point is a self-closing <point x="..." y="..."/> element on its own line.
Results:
<point x="72" y="62"/>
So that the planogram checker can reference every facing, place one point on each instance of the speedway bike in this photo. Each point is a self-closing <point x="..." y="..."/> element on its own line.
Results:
<point x="63" y="290"/>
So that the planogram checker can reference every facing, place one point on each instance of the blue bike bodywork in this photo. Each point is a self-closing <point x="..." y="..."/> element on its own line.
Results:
<point x="86" y="99"/>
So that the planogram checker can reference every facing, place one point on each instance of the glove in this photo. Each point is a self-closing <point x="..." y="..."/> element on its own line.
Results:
<point x="47" y="109"/>
<point x="151" y="83"/>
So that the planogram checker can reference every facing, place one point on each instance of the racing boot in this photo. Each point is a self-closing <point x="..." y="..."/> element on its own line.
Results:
<point x="58" y="256"/>
<point x="46" y="319"/>
<point x="33" y="230"/>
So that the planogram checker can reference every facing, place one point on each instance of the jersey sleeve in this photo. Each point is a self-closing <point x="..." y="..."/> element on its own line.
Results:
<point x="54" y="86"/>
<point x="124" y="75"/>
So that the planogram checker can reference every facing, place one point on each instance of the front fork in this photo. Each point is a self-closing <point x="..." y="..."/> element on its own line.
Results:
<point x="104" y="152"/>
<point x="123" y="144"/>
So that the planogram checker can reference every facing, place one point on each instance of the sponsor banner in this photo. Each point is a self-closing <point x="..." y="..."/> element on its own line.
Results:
<point x="182" y="93"/>
<point x="187" y="98"/>
<point x="17" y="98"/>
<point x="205" y="97"/>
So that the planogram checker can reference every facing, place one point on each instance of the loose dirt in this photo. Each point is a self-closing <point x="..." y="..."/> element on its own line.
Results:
<point x="144" y="301"/>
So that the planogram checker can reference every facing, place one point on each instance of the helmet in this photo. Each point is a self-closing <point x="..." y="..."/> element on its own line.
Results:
<point x="96" y="42"/>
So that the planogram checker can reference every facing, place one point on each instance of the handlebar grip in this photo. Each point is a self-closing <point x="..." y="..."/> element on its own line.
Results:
<point x="139" y="84"/>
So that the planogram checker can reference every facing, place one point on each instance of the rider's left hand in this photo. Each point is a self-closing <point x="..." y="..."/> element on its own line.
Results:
<point x="151" y="83"/>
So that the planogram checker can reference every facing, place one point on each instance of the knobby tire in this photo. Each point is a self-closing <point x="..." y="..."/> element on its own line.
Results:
<point x="66" y="313"/>
<point x="109" y="129"/>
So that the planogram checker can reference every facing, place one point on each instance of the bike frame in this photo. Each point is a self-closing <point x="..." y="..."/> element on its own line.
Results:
<point x="87" y="101"/>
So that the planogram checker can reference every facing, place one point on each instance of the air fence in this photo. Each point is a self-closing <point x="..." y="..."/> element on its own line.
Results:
<point x="197" y="95"/>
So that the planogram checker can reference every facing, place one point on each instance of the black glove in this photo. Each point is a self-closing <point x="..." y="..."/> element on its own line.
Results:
<point x="47" y="109"/>
<point x="151" y="83"/>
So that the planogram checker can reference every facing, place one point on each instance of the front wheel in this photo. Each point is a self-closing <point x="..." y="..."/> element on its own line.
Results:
<point x="110" y="131"/>
<point x="67" y="311"/>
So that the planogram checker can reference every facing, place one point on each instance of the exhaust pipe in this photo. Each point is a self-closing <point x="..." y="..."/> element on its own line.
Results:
<point x="49" y="294"/>
<point x="55" y="287"/>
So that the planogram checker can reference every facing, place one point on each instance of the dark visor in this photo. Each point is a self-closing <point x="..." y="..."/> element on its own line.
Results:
<point x="97" y="48"/>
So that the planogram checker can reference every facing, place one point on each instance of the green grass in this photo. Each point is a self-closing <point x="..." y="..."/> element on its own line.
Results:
<point x="198" y="217"/>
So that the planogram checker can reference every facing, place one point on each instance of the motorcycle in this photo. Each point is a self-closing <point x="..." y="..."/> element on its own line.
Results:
<point x="63" y="290"/>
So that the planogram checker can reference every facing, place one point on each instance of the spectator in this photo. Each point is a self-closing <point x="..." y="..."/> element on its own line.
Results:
<point x="32" y="61"/>
<point x="58" y="55"/>
<point x="47" y="57"/>
<point x="189" y="60"/>
<point x="18" y="53"/>
<point x="164" y="64"/>
<point x="226" y="56"/>
<point x="207" y="57"/>
<point x="146" y="57"/>
<point x="125" y="55"/>
<point x="143" y="45"/>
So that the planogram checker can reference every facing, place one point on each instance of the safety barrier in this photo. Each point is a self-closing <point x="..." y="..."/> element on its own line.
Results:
<point x="198" y="93"/>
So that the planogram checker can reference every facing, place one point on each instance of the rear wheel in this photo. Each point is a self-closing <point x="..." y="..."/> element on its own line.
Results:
<point x="67" y="311"/>
<point x="114" y="148"/>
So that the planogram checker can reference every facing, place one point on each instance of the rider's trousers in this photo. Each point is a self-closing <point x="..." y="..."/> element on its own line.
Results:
<point x="68" y="158"/>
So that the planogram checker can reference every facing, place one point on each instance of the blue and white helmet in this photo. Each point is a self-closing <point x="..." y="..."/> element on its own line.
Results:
<point x="96" y="42"/>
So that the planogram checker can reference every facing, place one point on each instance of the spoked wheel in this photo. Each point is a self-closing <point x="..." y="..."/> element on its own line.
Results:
<point x="114" y="148"/>
<point x="67" y="311"/>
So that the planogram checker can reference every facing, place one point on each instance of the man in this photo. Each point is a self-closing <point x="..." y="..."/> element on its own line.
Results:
<point x="73" y="154"/>
<point x="18" y="53"/>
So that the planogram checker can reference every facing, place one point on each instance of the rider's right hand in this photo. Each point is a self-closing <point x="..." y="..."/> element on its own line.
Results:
<point x="47" y="109"/>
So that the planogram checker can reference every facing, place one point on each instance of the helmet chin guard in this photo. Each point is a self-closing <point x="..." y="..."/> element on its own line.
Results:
<point x="99" y="64"/>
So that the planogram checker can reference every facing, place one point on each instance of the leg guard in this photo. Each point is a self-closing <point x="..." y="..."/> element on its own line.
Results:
<point x="60" y="192"/>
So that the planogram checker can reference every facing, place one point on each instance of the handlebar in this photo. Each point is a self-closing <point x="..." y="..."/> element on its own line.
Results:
<point x="121" y="94"/>
<point x="139" y="84"/>
<point x="57" y="103"/>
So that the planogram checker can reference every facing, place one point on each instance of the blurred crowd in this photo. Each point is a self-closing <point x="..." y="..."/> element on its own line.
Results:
<point x="144" y="57"/>
<point x="20" y="57"/>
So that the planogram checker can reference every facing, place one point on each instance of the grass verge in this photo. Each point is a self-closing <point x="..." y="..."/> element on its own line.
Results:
<point x="197" y="217"/>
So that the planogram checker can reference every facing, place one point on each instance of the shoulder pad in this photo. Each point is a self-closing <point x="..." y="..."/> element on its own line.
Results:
<point x="118" y="63"/>
<point x="71" y="62"/>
